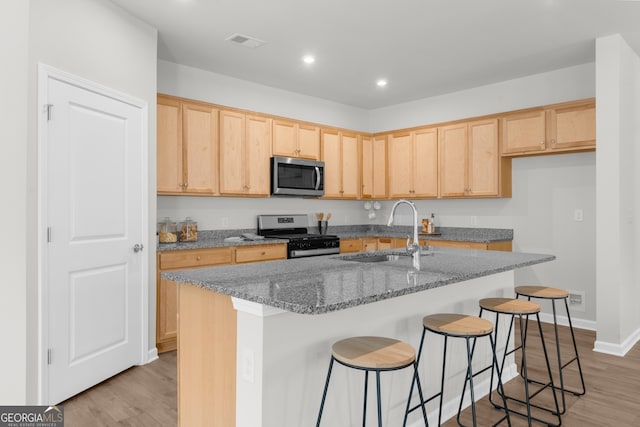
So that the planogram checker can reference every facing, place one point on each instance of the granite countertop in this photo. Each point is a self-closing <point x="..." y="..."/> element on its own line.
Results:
<point x="329" y="283"/>
<point x="215" y="238"/>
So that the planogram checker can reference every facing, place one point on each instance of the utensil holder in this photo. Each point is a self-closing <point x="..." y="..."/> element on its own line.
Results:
<point x="322" y="226"/>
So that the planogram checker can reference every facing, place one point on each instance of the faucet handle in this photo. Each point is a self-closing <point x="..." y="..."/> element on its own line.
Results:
<point x="412" y="247"/>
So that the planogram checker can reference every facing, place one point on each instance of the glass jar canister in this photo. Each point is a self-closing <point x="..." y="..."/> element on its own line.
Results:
<point x="188" y="230"/>
<point x="167" y="231"/>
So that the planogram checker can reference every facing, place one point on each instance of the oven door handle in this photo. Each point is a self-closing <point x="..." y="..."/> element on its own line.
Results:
<point x="317" y="177"/>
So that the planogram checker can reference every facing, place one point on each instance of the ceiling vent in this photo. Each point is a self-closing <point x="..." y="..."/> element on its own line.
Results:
<point x="246" y="41"/>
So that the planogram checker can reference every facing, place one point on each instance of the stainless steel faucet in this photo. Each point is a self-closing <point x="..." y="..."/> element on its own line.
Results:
<point x="413" y="248"/>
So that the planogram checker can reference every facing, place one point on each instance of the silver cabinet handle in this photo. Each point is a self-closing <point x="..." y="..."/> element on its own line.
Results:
<point x="138" y="248"/>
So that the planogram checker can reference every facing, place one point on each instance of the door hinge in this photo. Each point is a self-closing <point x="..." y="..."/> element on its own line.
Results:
<point x="48" y="234"/>
<point x="49" y="108"/>
<point x="49" y="356"/>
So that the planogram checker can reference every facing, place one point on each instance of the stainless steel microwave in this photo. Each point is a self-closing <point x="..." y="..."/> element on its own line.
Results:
<point x="296" y="177"/>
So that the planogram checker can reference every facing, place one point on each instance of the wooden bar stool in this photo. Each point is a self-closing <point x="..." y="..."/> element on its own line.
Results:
<point x="377" y="354"/>
<point x="523" y="309"/>
<point x="469" y="328"/>
<point x="554" y="294"/>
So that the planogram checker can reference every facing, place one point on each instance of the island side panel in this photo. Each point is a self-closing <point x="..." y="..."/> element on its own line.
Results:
<point x="207" y="324"/>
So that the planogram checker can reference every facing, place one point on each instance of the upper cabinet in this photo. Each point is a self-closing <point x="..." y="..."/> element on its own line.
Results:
<point x="245" y="150"/>
<point x="374" y="167"/>
<point x="341" y="165"/>
<point x="413" y="164"/>
<point x="470" y="162"/>
<point x="558" y="128"/>
<point x="187" y="148"/>
<point x="292" y="139"/>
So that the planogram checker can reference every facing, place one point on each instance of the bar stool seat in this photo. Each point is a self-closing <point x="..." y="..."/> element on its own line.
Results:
<point x="554" y="294"/>
<point x="373" y="353"/>
<point x="377" y="354"/>
<point x="452" y="325"/>
<point x="523" y="309"/>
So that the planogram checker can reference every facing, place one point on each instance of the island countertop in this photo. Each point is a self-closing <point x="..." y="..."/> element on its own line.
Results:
<point x="331" y="283"/>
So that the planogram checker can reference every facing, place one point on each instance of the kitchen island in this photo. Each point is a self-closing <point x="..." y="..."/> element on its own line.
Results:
<point x="254" y="340"/>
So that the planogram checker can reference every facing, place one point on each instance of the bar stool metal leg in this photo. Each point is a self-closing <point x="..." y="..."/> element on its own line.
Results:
<point x="553" y="294"/>
<point x="523" y="309"/>
<point x="324" y="394"/>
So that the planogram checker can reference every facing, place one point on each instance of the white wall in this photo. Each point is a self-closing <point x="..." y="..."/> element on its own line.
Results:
<point x="617" y="184"/>
<point x="546" y="190"/>
<point x="94" y="40"/>
<point x="14" y="37"/>
<point x="193" y="83"/>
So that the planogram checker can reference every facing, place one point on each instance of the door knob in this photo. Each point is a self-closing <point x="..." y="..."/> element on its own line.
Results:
<point x="137" y="247"/>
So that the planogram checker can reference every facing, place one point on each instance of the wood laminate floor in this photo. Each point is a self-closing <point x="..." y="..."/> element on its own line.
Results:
<point x="146" y="395"/>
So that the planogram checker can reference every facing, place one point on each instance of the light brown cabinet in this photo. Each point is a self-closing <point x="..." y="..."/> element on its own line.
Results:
<point x="470" y="164"/>
<point x="374" y="167"/>
<point x="413" y="164"/>
<point x="245" y="150"/>
<point x="341" y="156"/>
<point x="350" y="245"/>
<point x="292" y="139"/>
<point x="259" y="253"/>
<point x="166" y="299"/>
<point x="491" y="246"/>
<point x="553" y="129"/>
<point x="187" y="147"/>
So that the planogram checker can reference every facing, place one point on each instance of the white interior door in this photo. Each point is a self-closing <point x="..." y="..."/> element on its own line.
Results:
<point x="95" y="147"/>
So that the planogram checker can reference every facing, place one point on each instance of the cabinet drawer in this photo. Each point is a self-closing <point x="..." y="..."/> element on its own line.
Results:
<point x="350" y="245"/>
<point x="194" y="258"/>
<point x="257" y="253"/>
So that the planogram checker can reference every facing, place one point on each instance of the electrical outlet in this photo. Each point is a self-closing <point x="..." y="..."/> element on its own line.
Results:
<point x="578" y="215"/>
<point x="577" y="300"/>
<point x="225" y="221"/>
<point x="474" y="220"/>
<point x="247" y="365"/>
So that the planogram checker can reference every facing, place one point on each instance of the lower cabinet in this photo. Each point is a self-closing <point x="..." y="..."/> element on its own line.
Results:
<point x="487" y="246"/>
<point x="370" y="244"/>
<point x="166" y="299"/>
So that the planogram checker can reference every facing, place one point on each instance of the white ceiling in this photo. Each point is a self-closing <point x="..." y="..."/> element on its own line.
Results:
<point x="423" y="47"/>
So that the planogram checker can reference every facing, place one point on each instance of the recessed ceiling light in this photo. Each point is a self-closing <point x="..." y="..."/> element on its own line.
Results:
<point x="308" y="59"/>
<point x="381" y="83"/>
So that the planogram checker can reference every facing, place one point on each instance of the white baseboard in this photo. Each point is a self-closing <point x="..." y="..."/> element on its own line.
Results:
<point x="563" y="320"/>
<point x="152" y="355"/>
<point x="618" y="349"/>
<point x="450" y="407"/>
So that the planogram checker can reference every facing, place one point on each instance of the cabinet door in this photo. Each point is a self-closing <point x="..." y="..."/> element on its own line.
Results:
<point x="400" y="165"/>
<point x="483" y="158"/>
<point x="169" y="141"/>
<point x="232" y="159"/>
<point x="285" y="139"/>
<point x="350" y="245"/>
<point x="200" y="147"/>
<point x="350" y="166"/>
<point x="369" y="245"/>
<point x="167" y="309"/>
<point x="385" y="243"/>
<point x="452" y="148"/>
<point x="309" y="142"/>
<point x="523" y="132"/>
<point x="374" y="167"/>
<point x="573" y="126"/>
<point x="257" y="154"/>
<point x="331" y="155"/>
<point x="425" y="163"/>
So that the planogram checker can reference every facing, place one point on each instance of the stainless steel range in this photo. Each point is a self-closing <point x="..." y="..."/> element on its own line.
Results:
<point x="294" y="229"/>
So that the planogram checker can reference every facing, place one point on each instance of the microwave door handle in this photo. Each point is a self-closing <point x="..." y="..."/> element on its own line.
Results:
<point x="317" y="177"/>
